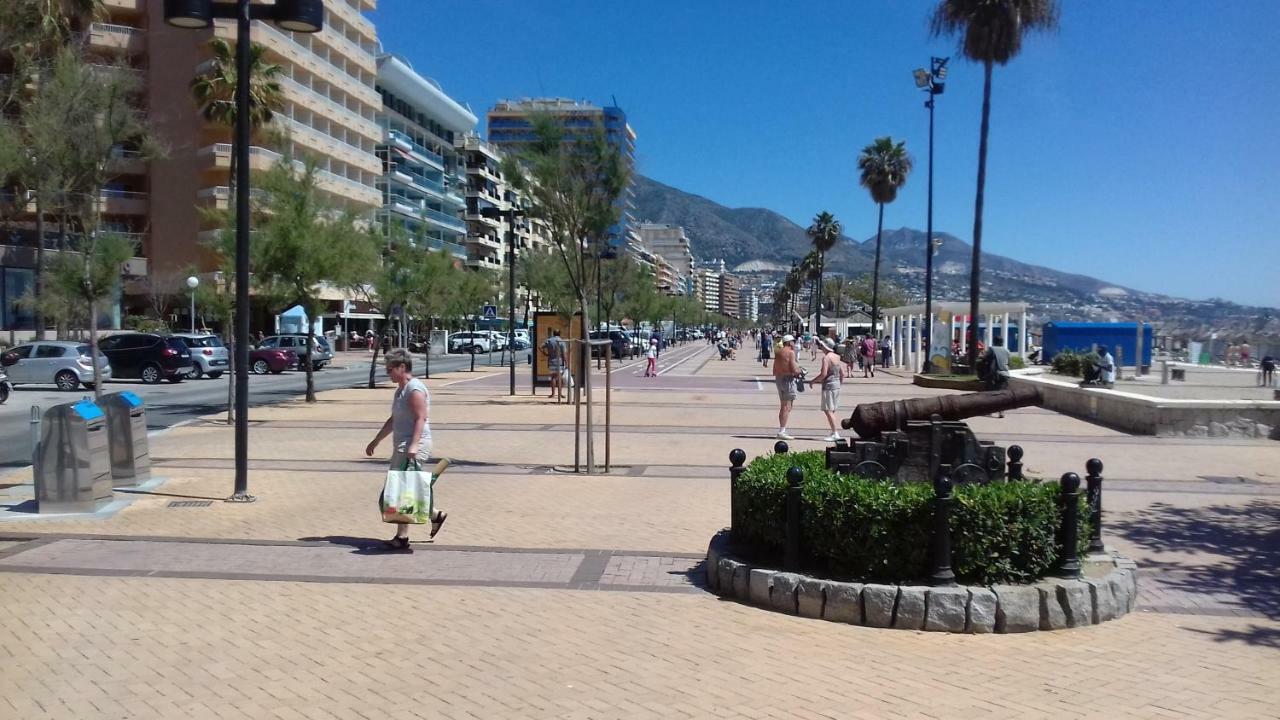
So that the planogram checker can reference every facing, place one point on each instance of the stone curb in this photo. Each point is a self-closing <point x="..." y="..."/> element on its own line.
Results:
<point x="1051" y="604"/>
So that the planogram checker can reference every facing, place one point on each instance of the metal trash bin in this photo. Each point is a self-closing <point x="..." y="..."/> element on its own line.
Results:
<point x="1178" y="374"/>
<point x="127" y="439"/>
<point x="73" y="465"/>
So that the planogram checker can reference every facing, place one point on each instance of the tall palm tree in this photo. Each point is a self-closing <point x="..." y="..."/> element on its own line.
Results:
<point x="823" y="233"/>
<point x="885" y="166"/>
<point x="990" y="32"/>
<point x="215" y="89"/>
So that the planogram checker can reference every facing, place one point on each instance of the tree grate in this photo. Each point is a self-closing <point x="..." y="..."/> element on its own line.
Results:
<point x="190" y="503"/>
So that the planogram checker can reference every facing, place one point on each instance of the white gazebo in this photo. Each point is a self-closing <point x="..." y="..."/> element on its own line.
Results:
<point x="904" y="326"/>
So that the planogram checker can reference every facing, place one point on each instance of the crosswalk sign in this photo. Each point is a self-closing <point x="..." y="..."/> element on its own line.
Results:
<point x="490" y="312"/>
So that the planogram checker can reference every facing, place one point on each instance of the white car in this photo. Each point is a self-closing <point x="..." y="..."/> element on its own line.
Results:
<point x="476" y="342"/>
<point x="58" y="362"/>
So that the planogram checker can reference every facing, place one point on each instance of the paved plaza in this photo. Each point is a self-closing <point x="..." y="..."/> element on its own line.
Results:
<point x="555" y="595"/>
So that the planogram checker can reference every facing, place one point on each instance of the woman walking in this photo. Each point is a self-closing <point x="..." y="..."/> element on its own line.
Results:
<point x="831" y="375"/>
<point x="651" y="359"/>
<point x="867" y="355"/>
<point x="410" y="432"/>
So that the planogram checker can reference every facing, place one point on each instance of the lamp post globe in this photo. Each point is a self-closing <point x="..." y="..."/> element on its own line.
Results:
<point x="189" y="14"/>
<point x="193" y="282"/>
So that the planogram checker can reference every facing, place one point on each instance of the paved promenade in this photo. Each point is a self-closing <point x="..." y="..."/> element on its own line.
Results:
<point x="554" y="595"/>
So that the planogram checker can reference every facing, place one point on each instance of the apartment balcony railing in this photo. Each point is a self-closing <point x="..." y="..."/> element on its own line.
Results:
<point x="268" y="29"/>
<point x="308" y="130"/>
<point x="352" y="118"/>
<point x="444" y="219"/>
<point x="410" y="145"/>
<point x="453" y="249"/>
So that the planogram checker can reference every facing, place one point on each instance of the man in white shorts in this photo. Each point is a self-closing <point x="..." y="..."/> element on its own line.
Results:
<point x="831" y="375"/>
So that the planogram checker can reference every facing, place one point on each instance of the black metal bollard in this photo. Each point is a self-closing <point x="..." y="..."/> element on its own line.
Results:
<point x="737" y="458"/>
<point x="1069" y="533"/>
<point x="1015" y="463"/>
<point x="1093" y="478"/>
<point x="940" y="573"/>
<point x="780" y="448"/>
<point x="792" y="548"/>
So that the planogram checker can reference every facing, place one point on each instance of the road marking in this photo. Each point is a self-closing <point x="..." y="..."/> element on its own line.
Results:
<point x="678" y="363"/>
<point x="759" y="387"/>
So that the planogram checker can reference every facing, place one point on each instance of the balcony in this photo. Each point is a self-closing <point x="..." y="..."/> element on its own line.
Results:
<point x="123" y="202"/>
<point x="329" y="145"/>
<point x="106" y="36"/>
<point x="444" y="219"/>
<point x="262" y="159"/>
<point x="322" y="105"/>
<point x="298" y="54"/>
<point x="453" y="249"/>
<point x="485" y="241"/>
<point x="408" y="145"/>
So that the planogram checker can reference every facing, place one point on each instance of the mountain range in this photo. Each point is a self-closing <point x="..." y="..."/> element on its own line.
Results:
<point x="761" y="243"/>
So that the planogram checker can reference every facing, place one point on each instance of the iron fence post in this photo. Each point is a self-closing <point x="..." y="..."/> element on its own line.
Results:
<point x="737" y="458"/>
<point x="1069" y="533"/>
<point x="1093" y="477"/>
<point x="940" y="573"/>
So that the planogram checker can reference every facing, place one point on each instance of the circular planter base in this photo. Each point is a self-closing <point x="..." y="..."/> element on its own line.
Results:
<point x="947" y="382"/>
<point x="1108" y="590"/>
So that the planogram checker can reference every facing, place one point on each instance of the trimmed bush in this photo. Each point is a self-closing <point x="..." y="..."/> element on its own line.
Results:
<point x="1073" y="362"/>
<point x="871" y="530"/>
<point x="1016" y="362"/>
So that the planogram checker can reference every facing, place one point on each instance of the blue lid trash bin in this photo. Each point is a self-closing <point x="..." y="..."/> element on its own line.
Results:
<point x="72" y="464"/>
<point x="127" y="439"/>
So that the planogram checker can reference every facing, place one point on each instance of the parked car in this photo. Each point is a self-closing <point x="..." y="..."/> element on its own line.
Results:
<point x="208" y="355"/>
<point x="62" y="363"/>
<point x="147" y="356"/>
<point x="321" y="354"/>
<point x="621" y="343"/>
<point x="522" y="338"/>
<point x="271" y="360"/>
<point x="480" y="341"/>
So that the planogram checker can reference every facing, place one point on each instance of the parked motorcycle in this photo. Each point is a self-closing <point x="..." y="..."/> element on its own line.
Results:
<point x="6" y="387"/>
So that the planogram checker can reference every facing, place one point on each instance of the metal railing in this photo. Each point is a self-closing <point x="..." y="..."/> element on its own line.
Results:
<point x="350" y="115"/>
<point x="307" y="129"/>
<point x="413" y="144"/>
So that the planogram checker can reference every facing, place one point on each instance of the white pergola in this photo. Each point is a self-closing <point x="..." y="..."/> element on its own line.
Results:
<point x="904" y="326"/>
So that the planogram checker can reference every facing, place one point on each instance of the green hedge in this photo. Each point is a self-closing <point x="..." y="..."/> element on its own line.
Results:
<point x="1073" y="362"/>
<point x="873" y="530"/>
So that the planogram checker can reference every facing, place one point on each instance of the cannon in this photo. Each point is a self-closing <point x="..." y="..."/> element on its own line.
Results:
<point x="915" y="440"/>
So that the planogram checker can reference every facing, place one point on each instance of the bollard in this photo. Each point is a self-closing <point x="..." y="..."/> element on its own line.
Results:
<point x="1015" y="464"/>
<point x="35" y="432"/>
<point x="1164" y="372"/>
<point x="1069" y="533"/>
<point x="791" y="551"/>
<point x="940" y="573"/>
<point x="1093" y="478"/>
<point x="780" y="448"/>
<point x="736" y="459"/>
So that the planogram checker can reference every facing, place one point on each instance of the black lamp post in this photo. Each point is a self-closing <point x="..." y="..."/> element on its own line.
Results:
<point x="510" y="216"/>
<point x="305" y="16"/>
<point x="930" y="81"/>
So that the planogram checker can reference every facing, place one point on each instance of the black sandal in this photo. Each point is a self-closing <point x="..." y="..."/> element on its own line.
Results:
<point x="437" y="522"/>
<point x="396" y="543"/>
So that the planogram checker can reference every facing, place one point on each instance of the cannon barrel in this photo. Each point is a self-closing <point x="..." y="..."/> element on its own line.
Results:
<point x="871" y="419"/>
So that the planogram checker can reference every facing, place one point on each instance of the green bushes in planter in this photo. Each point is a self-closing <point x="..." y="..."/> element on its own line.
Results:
<point x="873" y="530"/>
<point x="1016" y="362"/>
<point x="1071" y="362"/>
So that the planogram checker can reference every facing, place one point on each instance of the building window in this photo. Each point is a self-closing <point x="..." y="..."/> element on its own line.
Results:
<point x="14" y="285"/>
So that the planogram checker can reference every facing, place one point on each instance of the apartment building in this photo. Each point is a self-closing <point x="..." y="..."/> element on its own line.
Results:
<point x="706" y="288"/>
<point x="330" y="115"/>
<point x="423" y="170"/>
<point x="730" y="295"/>
<point x="670" y="242"/>
<point x="510" y="128"/>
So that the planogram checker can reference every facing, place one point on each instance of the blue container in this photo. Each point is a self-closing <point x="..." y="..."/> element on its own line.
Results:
<point x="1083" y="337"/>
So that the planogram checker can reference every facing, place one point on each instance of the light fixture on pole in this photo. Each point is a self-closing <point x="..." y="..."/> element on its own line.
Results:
<point x="193" y="282"/>
<point x="930" y="81"/>
<point x="305" y="16"/>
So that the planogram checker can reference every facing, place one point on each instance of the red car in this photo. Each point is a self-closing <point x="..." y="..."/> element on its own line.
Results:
<point x="271" y="360"/>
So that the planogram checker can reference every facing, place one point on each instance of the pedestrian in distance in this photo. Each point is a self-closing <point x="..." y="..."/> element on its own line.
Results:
<point x="886" y="352"/>
<point x="553" y="348"/>
<point x="651" y="359"/>
<point x="785" y="372"/>
<point x="831" y="376"/>
<point x="410" y="429"/>
<point x="1267" y="370"/>
<point x="370" y="338"/>
<point x="766" y="348"/>
<point x="995" y="367"/>
<point x="867" y="353"/>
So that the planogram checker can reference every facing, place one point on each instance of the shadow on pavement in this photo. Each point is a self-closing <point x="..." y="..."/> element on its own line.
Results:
<point x="132" y="491"/>
<point x="1245" y="539"/>
<point x="1267" y="637"/>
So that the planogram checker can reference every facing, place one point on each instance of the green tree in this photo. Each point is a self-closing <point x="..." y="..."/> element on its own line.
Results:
<point x="543" y="274"/>
<point x="574" y="181"/>
<point x="823" y="233"/>
<point x="90" y="278"/>
<point x="434" y="286"/>
<point x="302" y="244"/>
<point x="214" y="90"/>
<point x="990" y="32"/>
<point x="884" y="165"/>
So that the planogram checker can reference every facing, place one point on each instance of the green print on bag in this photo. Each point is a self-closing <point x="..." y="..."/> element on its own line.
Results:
<point x="406" y="496"/>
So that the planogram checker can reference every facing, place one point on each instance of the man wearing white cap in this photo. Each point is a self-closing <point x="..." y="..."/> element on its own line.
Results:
<point x="785" y="372"/>
<point x="831" y="375"/>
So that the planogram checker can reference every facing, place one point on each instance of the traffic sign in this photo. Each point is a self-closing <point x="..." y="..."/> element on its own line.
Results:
<point x="490" y="312"/>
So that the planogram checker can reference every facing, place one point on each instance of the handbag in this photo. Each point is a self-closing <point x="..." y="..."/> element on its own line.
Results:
<point x="406" y="496"/>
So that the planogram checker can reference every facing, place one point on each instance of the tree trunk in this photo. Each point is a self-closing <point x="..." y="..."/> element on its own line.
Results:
<point x="585" y="383"/>
<point x="975" y="273"/>
<point x="311" y="379"/>
<point x="817" y="318"/>
<point x="38" y="282"/>
<point x="426" y="354"/>
<point x="93" y="351"/>
<point x="875" y="275"/>
<point x="373" y="363"/>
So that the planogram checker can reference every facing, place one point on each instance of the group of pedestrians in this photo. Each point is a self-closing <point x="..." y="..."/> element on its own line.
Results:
<point x="790" y="379"/>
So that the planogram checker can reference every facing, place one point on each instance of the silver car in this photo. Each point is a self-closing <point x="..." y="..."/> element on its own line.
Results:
<point x="208" y="355"/>
<point x="321" y="354"/>
<point x="60" y="362"/>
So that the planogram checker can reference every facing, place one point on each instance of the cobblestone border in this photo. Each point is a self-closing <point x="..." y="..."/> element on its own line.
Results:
<point x="1051" y="604"/>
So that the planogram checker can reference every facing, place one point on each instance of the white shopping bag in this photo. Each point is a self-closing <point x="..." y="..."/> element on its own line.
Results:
<point x="406" y="496"/>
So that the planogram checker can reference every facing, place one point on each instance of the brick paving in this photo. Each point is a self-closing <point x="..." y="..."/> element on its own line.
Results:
<point x="278" y="609"/>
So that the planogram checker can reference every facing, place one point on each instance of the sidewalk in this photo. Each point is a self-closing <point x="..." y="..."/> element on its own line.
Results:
<point x="552" y="595"/>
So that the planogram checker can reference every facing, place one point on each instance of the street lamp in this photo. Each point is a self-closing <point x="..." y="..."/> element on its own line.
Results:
<point x="193" y="282"/>
<point x="510" y="216"/>
<point x="305" y="16"/>
<point x="930" y="81"/>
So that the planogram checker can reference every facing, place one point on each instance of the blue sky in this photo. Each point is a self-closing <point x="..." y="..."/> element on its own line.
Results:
<point x="1140" y="144"/>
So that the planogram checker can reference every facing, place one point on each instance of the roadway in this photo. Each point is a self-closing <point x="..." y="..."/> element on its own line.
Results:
<point x="168" y="404"/>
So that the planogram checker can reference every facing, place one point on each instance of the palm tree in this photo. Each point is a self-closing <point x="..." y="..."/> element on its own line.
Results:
<point x="990" y="32"/>
<point x="215" y="89"/>
<point x="885" y="166"/>
<point x="823" y="233"/>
